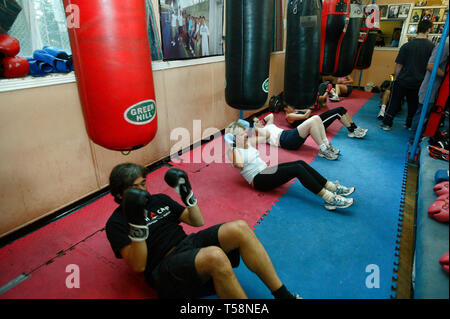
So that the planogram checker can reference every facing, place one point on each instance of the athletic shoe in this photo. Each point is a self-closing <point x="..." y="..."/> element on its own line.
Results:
<point x="363" y="129"/>
<point x="333" y="149"/>
<point x="385" y="127"/>
<point x="380" y="115"/>
<point x="339" y="202"/>
<point x="328" y="154"/>
<point x="322" y="88"/>
<point x="357" y="133"/>
<point x="334" y="98"/>
<point x="342" y="190"/>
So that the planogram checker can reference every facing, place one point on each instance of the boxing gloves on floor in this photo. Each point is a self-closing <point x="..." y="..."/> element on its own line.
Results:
<point x="178" y="179"/>
<point x="11" y="66"/>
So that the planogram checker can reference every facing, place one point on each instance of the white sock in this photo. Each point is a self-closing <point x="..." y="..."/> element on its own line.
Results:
<point x="330" y="186"/>
<point x="328" y="196"/>
<point x="323" y="147"/>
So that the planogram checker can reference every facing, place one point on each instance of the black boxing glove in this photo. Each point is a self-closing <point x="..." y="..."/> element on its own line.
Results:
<point x="178" y="179"/>
<point x="134" y="205"/>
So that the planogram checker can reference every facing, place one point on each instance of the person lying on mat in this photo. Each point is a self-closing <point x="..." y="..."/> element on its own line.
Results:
<point x="293" y="139"/>
<point x="145" y="231"/>
<point x="296" y="117"/>
<point x="343" y="86"/>
<point x="262" y="177"/>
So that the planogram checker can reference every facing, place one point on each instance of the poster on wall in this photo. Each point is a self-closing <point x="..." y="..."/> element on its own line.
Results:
<point x="191" y="28"/>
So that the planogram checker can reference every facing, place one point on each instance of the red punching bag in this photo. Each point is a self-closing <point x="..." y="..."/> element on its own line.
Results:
<point x="112" y="62"/>
<point x="335" y="20"/>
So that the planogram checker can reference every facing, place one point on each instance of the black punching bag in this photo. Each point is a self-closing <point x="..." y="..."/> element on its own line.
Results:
<point x="367" y="38"/>
<point x="302" y="59"/>
<point x="248" y="45"/>
<point x="335" y="18"/>
<point x="348" y="49"/>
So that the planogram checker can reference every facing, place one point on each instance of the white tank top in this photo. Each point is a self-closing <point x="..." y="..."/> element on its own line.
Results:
<point x="275" y="133"/>
<point x="253" y="164"/>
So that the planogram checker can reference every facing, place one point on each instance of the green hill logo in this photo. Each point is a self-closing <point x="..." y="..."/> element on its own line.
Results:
<point x="141" y="113"/>
<point x="265" y="86"/>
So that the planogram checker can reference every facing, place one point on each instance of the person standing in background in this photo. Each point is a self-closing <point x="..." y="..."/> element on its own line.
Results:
<point x="411" y="64"/>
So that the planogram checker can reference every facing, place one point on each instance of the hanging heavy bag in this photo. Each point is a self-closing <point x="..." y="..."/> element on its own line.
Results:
<point x="302" y="59"/>
<point x="348" y="49"/>
<point x="111" y="57"/>
<point x="334" y="21"/>
<point x="367" y="37"/>
<point x="248" y="43"/>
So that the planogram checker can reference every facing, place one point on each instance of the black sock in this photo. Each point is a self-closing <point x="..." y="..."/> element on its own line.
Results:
<point x="282" y="293"/>
<point x="352" y="127"/>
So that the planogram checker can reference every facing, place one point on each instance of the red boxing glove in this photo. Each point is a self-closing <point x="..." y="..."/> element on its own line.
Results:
<point x="441" y="188"/>
<point x="9" y="46"/>
<point x="444" y="262"/>
<point x="14" y="67"/>
<point x="439" y="211"/>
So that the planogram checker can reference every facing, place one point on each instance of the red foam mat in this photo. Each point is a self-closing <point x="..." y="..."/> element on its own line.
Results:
<point x="223" y="195"/>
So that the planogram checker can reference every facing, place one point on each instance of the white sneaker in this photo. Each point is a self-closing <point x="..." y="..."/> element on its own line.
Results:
<point x="357" y="133"/>
<point x="342" y="190"/>
<point x="380" y="115"/>
<point x="328" y="154"/>
<point x="333" y="149"/>
<point x="339" y="202"/>
<point x="335" y="98"/>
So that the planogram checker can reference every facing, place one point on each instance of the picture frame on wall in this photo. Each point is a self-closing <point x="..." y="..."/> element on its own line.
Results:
<point x="404" y="11"/>
<point x="412" y="29"/>
<point x="393" y="11"/>
<point x="191" y="29"/>
<point x="416" y="15"/>
<point x="383" y="11"/>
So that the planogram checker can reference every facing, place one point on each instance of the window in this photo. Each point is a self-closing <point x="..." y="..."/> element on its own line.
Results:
<point x="40" y="23"/>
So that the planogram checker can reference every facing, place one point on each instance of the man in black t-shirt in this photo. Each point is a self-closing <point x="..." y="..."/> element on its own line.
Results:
<point x="145" y="231"/>
<point x="411" y="65"/>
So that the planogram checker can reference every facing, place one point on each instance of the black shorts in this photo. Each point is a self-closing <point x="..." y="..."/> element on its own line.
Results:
<point x="175" y="276"/>
<point x="291" y="139"/>
<point x="349" y="91"/>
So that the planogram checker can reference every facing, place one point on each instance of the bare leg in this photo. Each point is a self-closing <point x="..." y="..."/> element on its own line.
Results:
<point x="213" y="262"/>
<point x="385" y="99"/>
<point x="346" y="120"/>
<point x="237" y="234"/>
<point x="314" y="127"/>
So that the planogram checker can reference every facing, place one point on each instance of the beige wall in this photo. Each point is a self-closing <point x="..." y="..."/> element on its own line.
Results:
<point x="47" y="160"/>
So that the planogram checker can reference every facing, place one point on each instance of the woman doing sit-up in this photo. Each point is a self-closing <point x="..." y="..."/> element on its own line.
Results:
<point x="262" y="177"/>
<point x="295" y="117"/>
<point x="294" y="139"/>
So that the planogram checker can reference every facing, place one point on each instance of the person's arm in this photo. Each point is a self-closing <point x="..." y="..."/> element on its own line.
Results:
<point x="135" y="255"/>
<point x="398" y="68"/>
<point x="292" y="117"/>
<point x="192" y="216"/>
<point x="236" y="158"/>
<point x="439" y="73"/>
<point x="349" y="80"/>
<point x="134" y="205"/>
<point x="269" y="119"/>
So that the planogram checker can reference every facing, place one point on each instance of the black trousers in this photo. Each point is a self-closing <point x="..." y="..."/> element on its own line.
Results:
<point x="275" y="176"/>
<point x="397" y="94"/>
<point x="327" y="117"/>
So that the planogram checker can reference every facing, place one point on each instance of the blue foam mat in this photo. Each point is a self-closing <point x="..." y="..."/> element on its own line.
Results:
<point x="432" y="237"/>
<point x="330" y="255"/>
